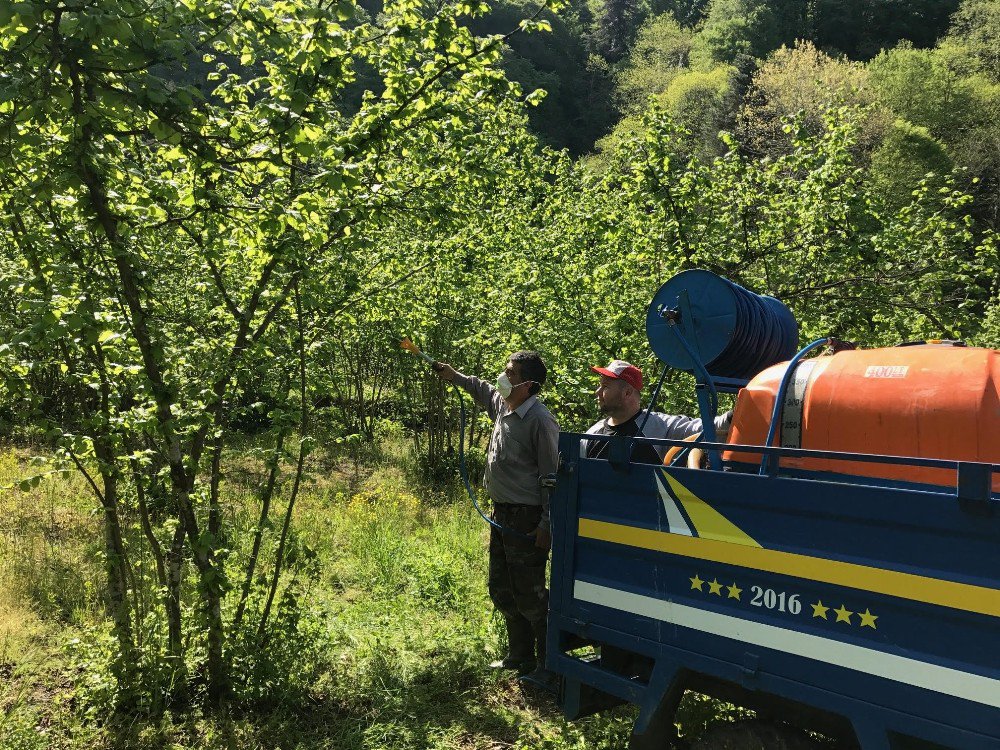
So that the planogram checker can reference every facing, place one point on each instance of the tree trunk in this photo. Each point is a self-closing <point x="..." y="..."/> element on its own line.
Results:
<point x="116" y="565"/>
<point x="175" y="569"/>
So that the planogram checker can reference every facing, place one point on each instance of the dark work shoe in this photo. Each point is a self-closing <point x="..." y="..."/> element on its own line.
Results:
<point x="541" y="679"/>
<point x="521" y="666"/>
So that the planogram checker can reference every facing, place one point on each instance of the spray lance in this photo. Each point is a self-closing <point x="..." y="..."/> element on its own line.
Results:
<point x="412" y="348"/>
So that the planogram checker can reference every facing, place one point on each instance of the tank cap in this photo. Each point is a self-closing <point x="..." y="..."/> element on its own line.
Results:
<point x="934" y="342"/>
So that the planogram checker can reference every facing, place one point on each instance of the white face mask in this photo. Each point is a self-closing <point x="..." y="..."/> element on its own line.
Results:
<point x="504" y="387"/>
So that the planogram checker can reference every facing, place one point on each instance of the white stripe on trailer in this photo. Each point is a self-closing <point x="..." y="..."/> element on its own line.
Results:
<point x="674" y="518"/>
<point x="953" y="682"/>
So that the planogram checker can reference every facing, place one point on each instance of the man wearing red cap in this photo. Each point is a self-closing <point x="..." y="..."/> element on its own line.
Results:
<point x="618" y="400"/>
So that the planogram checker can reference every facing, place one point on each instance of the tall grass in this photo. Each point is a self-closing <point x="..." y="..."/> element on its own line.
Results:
<point x="50" y="583"/>
<point x="386" y="629"/>
<point x="49" y="543"/>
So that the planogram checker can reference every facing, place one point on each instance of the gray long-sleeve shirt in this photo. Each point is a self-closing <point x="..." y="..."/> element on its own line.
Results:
<point x="523" y="448"/>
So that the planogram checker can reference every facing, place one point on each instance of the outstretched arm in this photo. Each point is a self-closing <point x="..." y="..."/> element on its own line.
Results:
<point x="482" y="392"/>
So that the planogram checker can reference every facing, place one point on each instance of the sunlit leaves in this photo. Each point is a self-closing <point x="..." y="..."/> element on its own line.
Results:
<point x="197" y="194"/>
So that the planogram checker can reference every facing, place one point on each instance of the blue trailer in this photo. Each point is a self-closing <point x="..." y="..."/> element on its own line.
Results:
<point x="868" y="610"/>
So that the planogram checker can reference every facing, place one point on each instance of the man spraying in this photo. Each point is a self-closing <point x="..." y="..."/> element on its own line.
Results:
<point x="523" y="448"/>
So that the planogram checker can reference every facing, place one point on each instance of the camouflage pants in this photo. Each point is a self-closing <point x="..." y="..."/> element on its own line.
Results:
<point x="517" y="580"/>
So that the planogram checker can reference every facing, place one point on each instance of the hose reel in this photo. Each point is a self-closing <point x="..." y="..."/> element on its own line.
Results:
<point x="732" y="331"/>
<point x="719" y="331"/>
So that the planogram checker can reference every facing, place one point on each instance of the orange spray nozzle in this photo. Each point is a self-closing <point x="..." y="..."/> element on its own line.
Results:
<point x="414" y="349"/>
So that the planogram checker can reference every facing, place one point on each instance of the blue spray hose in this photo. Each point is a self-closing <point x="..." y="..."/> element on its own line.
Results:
<point x="779" y="399"/>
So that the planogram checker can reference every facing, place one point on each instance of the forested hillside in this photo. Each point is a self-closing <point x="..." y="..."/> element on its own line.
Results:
<point x="590" y="61"/>
<point x="218" y="220"/>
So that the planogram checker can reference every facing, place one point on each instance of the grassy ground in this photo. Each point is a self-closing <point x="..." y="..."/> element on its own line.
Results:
<point x="394" y="631"/>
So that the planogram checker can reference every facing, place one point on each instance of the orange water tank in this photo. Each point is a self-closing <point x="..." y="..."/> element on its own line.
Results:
<point x="927" y="401"/>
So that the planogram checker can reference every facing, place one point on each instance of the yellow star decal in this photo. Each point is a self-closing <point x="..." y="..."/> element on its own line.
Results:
<point x="868" y="619"/>
<point x="734" y="592"/>
<point x="696" y="582"/>
<point x="819" y="610"/>
<point x="714" y="587"/>
<point x="843" y="614"/>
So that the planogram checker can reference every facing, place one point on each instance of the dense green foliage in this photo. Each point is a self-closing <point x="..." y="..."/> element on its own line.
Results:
<point x="751" y="65"/>
<point x="597" y="46"/>
<point x="173" y="253"/>
<point x="219" y="220"/>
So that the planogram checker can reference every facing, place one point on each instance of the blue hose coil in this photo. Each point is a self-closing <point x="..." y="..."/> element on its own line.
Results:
<point x="737" y="333"/>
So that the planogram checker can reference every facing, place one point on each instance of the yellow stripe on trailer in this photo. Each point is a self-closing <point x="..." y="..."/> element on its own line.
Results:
<point x="709" y="523"/>
<point x="960" y="596"/>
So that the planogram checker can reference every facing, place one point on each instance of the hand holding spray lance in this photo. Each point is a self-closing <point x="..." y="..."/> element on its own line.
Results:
<point x="412" y="348"/>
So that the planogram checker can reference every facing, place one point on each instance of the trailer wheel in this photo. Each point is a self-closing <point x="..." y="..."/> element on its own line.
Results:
<point x="754" y="735"/>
